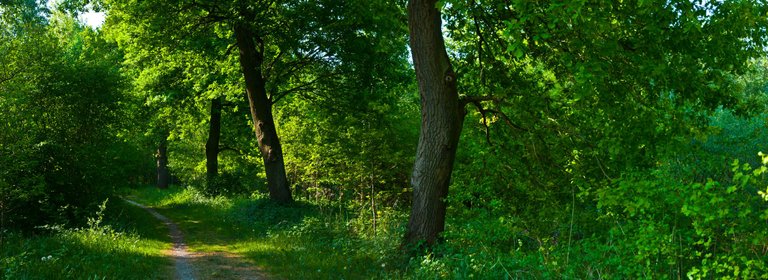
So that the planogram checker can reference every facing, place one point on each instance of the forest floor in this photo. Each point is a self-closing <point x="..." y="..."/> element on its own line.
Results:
<point x="251" y="237"/>
<point x="203" y="264"/>
<point x="178" y="233"/>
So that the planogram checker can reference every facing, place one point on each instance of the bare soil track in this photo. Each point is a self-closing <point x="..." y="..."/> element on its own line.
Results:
<point x="202" y="265"/>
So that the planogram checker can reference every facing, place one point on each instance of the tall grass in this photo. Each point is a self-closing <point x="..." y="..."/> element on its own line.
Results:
<point x="302" y="241"/>
<point x="120" y="242"/>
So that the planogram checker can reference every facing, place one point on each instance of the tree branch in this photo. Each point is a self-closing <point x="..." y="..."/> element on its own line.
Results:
<point x="271" y="66"/>
<point x="506" y="119"/>
<point x="297" y="65"/>
<point x="485" y="124"/>
<point x="480" y="41"/>
<point x="303" y="87"/>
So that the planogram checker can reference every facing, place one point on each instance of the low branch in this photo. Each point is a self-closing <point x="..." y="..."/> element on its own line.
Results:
<point x="271" y="66"/>
<point x="506" y="119"/>
<point x="296" y="65"/>
<point x="485" y="122"/>
<point x="303" y="87"/>
<point x="477" y="101"/>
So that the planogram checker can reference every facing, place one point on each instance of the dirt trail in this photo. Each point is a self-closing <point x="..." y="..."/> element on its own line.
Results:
<point x="179" y="252"/>
<point x="208" y="265"/>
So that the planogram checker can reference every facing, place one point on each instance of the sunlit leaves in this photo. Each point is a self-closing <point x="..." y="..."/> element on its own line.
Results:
<point x="64" y="109"/>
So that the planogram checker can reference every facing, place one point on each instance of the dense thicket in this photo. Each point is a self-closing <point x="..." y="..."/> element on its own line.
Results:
<point x="63" y="115"/>
<point x="602" y="127"/>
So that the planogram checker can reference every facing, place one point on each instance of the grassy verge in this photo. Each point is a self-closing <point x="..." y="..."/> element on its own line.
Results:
<point x="302" y="241"/>
<point x="121" y="242"/>
<point x="309" y="241"/>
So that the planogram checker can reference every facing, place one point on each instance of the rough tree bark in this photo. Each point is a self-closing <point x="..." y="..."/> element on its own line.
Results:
<point x="441" y="122"/>
<point x="163" y="175"/>
<point x="251" y="60"/>
<point x="212" y="145"/>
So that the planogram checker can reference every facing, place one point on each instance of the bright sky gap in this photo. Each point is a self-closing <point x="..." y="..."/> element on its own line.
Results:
<point x="88" y="17"/>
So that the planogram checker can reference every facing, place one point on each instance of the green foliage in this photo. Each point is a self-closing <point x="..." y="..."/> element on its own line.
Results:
<point x="309" y="54"/>
<point x="328" y="242"/>
<point x="753" y="88"/>
<point x="341" y="157"/>
<point x="613" y="139"/>
<point x="702" y="229"/>
<point x="112" y="246"/>
<point x="352" y="139"/>
<point x="61" y="126"/>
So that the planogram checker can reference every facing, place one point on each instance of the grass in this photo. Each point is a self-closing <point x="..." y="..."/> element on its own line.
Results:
<point x="301" y="241"/>
<point x="122" y="242"/>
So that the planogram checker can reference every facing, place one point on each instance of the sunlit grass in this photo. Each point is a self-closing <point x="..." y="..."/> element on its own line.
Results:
<point x="296" y="242"/>
<point x="304" y="241"/>
<point x="125" y="246"/>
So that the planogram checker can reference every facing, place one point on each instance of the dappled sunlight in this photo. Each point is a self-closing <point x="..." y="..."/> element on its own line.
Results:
<point x="87" y="253"/>
<point x="119" y="242"/>
<point x="258" y="234"/>
<point x="201" y="261"/>
<point x="358" y="139"/>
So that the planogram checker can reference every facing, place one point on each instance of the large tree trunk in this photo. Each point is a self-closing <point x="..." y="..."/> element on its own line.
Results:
<point x="441" y="123"/>
<point x="163" y="176"/>
<point x="212" y="146"/>
<point x="251" y="60"/>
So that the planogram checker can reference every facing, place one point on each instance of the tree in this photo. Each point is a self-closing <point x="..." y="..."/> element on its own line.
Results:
<point x="352" y="140"/>
<point x="180" y="88"/>
<point x="442" y="118"/>
<point x="212" y="27"/>
<point x="166" y="104"/>
<point x="163" y="175"/>
<point x="212" y="145"/>
<point x="251" y="60"/>
<point x="588" y="88"/>
<point x="284" y="48"/>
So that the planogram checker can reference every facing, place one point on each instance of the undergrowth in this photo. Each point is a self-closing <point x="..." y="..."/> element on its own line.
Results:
<point x="301" y="241"/>
<point x="655" y="239"/>
<point x="120" y="242"/>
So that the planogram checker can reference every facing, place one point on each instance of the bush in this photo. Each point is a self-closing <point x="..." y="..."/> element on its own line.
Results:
<point x="701" y="229"/>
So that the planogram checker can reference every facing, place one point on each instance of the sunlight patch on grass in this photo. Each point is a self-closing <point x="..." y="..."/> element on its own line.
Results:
<point x="121" y="242"/>
<point x="117" y="242"/>
<point x="275" y="237"/>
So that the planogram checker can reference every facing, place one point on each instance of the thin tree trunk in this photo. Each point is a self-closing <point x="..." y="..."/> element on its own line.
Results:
<point x="251" y="60"/>
<point x="441" y="124"/>
<point x="2" y="220"/>
<point x="212" y="146"/>
<point x="374" y="215"/>
<point x="163" y="176"/>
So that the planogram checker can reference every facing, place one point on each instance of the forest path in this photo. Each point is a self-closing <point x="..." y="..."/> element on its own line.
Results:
<point x="208" y="265"/>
